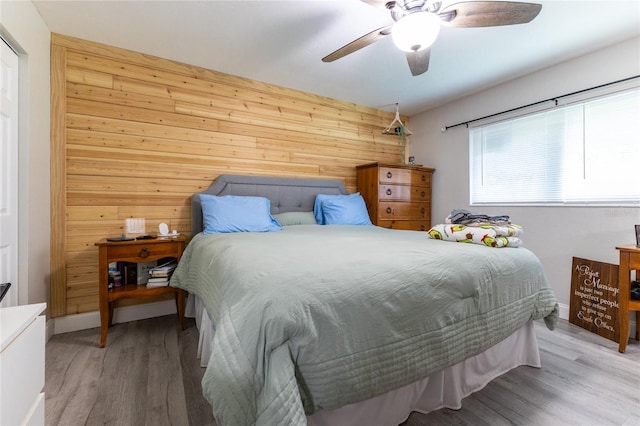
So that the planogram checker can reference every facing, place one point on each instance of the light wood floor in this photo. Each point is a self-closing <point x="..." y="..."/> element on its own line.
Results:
<point x="148" y="375"/>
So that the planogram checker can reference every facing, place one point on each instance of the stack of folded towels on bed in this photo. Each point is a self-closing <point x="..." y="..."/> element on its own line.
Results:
<point x="464" y="226"/>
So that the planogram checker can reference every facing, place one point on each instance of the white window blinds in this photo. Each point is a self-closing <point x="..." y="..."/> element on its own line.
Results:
<point x="586" y="153"/>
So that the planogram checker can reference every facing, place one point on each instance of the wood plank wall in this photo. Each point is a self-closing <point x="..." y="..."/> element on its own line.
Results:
<point x="135" y="135"/>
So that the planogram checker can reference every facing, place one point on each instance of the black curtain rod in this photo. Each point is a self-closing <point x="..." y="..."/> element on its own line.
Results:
<point x="554" y="99"/>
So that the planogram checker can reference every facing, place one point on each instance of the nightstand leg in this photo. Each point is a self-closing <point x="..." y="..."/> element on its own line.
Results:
<point x="104" y="324"/>
<point x="624" y="291"/>
<point x="103" y="284"/>
<point x="180" y="307"/>
<point x="111" y="306"/>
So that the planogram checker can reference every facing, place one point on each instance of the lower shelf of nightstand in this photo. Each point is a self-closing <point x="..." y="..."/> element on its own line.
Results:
<point x="138" y="291"/>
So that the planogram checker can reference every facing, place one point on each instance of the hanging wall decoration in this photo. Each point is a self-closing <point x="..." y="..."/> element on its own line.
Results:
<point x="398" y="128"/>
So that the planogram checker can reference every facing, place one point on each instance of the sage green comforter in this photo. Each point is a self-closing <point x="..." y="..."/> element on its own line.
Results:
<point x="316" y="317"/>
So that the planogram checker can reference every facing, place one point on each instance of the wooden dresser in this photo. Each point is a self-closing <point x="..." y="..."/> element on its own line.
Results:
<point x="398" y="196"/>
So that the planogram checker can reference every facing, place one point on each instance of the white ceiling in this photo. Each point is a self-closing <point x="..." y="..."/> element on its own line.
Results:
<point x="282" y="43"/>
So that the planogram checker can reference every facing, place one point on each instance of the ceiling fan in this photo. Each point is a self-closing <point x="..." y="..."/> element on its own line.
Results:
<point x="417" y="24"/>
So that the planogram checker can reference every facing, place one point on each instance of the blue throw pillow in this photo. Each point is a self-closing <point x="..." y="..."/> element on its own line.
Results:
<point x="317" y="206"/>
<point x="341" y="210"/>
<point x="233" y="213"/>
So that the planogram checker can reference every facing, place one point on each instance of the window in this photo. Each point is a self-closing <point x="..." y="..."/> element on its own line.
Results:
<point x="584" y="153"/>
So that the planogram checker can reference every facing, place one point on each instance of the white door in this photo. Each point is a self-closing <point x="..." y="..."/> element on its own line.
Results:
<point x="9" y="172"/>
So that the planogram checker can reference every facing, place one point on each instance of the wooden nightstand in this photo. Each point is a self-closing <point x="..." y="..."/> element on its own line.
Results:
<point x="134" y="251"/>
<point x="629" y="261"/>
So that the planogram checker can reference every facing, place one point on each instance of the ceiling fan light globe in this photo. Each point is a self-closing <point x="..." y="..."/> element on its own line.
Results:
<point x="416" y="31"/>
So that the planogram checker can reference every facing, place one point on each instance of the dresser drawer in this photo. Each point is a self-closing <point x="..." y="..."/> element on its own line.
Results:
<point x="397" y="210"/>
<point x="409" y="225"/>
<point x="403" y="193"/>
<point x="389" y="175"/>
<point x="143" y="252"/>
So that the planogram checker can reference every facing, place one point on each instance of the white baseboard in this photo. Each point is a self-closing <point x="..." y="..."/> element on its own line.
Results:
<point x="563" y="311"/>
<point x="87" y="320"/>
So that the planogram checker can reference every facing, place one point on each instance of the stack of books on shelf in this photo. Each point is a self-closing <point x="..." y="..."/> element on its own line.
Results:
<point x="129" y="273"/>
<point x="161" y="274"/>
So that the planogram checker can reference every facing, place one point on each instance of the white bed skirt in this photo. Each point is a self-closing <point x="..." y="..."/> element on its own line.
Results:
<point x="446" y="388"/>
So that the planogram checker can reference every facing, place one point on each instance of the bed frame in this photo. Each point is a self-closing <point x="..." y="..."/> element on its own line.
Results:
<point x="286" y="194"/>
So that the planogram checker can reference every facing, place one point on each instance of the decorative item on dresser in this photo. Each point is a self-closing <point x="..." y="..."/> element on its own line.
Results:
<point x="22" y="341"/>
<point x="398" y="196"/>
<point x="140" y="250"/>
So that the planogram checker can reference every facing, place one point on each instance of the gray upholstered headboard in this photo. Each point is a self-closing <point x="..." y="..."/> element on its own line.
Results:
<point x="286" y="194"/>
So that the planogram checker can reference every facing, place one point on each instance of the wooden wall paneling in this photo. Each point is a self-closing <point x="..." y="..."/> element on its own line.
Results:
<point x="278" y="122"/>
<point x="222" y="97"/>
<point x="159" y="213"/>
<point x="135" y="167"/>
<point x="135" y="136"/>
<point x="118" y="97"/>
<point x="128" y="185"/>
<point x="225" y="144"/>
<point x="238" y="99"/>
<point x="173" y="85"/>
<point x="124" y="127"/>
<point x="245" y="111"/>
<point x="274" y="92"/>
<point x="333" y="147"/>
<point x="87" y="198"/>
<point x="93" y="78"/>
<point x="139" y="115"/>
<point x="58" y="293"/>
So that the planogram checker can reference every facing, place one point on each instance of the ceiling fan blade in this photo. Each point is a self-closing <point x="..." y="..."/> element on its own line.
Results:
<point x="418" y="61"/>
<point x="377" y="3"/>
<point x="488" y="13"/>
<point x="358" y="44"/>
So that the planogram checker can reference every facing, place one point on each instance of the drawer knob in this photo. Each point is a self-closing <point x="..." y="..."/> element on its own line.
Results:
<point x="389" y="210"/>
<point x="422" y="228"/>
<point x="422" y="210"/>
<point x="389" y="191"/>
<point x="422" y="194"/>
<point x="389" y="175"/>
<point x="424" y="178"/>
<point x="144" y="252"/>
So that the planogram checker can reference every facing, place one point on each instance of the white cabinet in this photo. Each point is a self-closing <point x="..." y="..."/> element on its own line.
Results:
<point x="22" y="341"/>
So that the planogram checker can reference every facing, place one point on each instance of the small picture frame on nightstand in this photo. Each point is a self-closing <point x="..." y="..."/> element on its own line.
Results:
<point x="637" y="235"/>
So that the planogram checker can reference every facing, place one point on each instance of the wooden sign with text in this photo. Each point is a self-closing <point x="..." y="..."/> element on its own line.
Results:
<point x="594" y="297"/>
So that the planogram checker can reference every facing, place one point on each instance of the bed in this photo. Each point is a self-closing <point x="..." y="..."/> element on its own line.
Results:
<point x="350" y="324"/>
